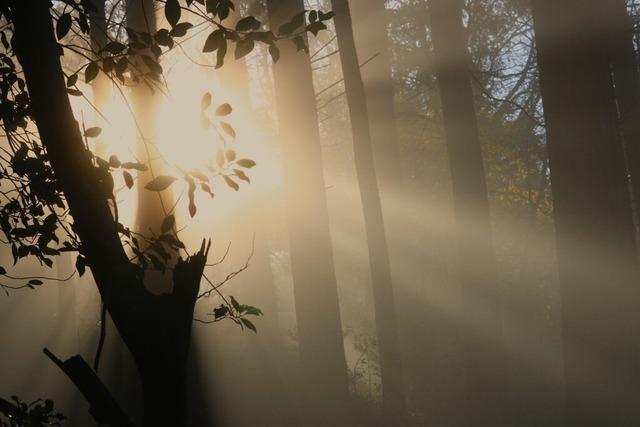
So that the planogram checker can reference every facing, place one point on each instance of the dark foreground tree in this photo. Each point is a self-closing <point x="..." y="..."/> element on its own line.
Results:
<point x="597" y="256"/>
<point x="475" y="264"/>
<point x="56" y="172"/>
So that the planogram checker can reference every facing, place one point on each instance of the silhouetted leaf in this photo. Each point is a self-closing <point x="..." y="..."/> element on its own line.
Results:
<point x="274" y="51"/>
<point x="167" y="223"/>
<point x="243" y="47"/>
<point x="114" y="161"/>
<point x="114" y="47"/>
<point x="230" y="155"/>
<point x="74" y="92"/>
<point x="92" y="132"/>
<point x="128" y="179"/>
<point x="3" y="271"/>
<point x="160" y="183"/>
<point x="63" y="26"/>
<point x="172" y="12"/>
<point x="72" y="80"/>
<point x="180" y="30"/>
<point x="81" y="264"/>
<point x="247" y="24"/>
<point x="214" y="41"/>
<point x="91" y="72"/>
<point x="248" y="324"/>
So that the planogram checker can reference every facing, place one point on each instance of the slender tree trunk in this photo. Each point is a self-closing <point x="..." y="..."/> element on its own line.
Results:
<point x="155" y="328"/>
<point x="316" y="296"/>
<point x="393" y="403"/>
<point x="481" y="323"/>
<point x="624" y="63"/>
<point x="597" y="257"/>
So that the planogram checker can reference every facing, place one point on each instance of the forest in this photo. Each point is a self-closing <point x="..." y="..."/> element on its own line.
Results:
<point x="221" y="213"/>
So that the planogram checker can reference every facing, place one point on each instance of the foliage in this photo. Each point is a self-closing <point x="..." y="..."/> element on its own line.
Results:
<point x="39" y="413"/>
<point x="34" y="216"/>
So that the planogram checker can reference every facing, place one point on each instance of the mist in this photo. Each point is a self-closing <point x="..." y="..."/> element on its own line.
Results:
<point x="319" y="213"/>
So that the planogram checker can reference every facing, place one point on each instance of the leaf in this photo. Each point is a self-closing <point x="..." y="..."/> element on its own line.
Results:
<point x="128" y="179"/>
<point x="3" y="271"/>
<point x="163" y="38"/>
<point x="246" y="163"/>
<point x="224" y="110"/>
<point x="72" y="80"/>
<point x="74" y="92"/>
<point x="228" y="129"/>
<point x="192" y="209"/>
<point x="241" y="175"/>
<point x="91" y="72"/>
<point x="160" y="183"/>
<point x="137" y="166"/>
<point x="248" y="324"/>
<point x="35" y="282"/>
<point x="243" y="48"/>
<point x="214" y="41"/>
<point x="247" y="24"/>
<point x="81" y="264"/>
<point x="93" y="132"/>
<point x="168" y="223"/>
<point x="114" y="161"/>
<point x="230" y="155"/>
<point x="222" y="51"/>
<point x="234" y="303"/>
<point x="63" y="26"/>
<point x="180" y="30"/>
<point x="231" y="183"/>
<point x="153" y="65"/>
<point x="274" y="51"/>
<point x="114" y="47"/>
<point x="206" y="101"/>
<point x="172" y="12"/>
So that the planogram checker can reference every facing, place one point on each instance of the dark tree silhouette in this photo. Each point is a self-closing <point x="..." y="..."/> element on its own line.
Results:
<point x="597" y="257"/>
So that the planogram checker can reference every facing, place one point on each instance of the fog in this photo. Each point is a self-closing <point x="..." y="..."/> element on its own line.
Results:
<point x="437" y="228"/>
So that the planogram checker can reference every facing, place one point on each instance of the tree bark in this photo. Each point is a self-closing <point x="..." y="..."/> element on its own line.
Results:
<point x="156" y="329"/>
<point x="315" y="289"/>
<point x="597" y="257"/>
<point x="393" y="403"/>
<point x="481" y="323"/>
<point x="624" y="64"/>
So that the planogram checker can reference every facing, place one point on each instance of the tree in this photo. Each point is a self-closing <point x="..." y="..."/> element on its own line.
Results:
<point x="481" y="326"/>
<point x="393" y="403"/>
<point x="61" y="173"/>
<point x="624" y="64"/>
<point x="315" y="289"/>
<point x="597" y="257"/>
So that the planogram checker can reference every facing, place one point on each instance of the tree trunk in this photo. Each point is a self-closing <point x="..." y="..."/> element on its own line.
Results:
<point x="315" y="289"/>
<point x="481" y="323"/>
<point x="624" y="64"/>
<point x="155" y="328"/>
<point x="393" y="403"/>
<point x="597" y="257"/>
